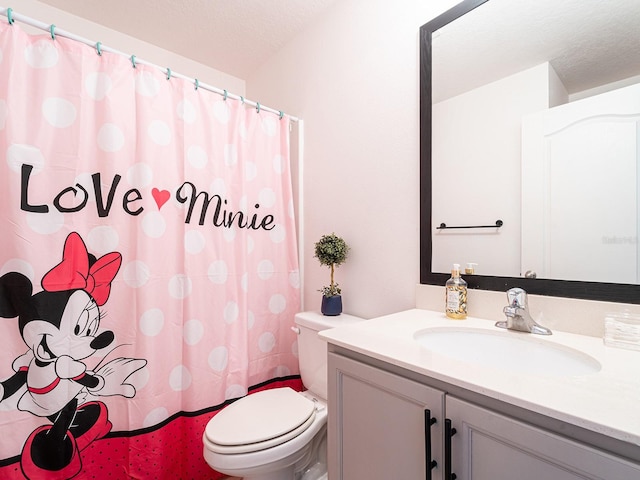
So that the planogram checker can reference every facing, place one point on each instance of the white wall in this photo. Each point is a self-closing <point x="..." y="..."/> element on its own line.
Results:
<point x="476" y="146"/>
<point x="124" y="43"/>
<point x="353" y="77"/>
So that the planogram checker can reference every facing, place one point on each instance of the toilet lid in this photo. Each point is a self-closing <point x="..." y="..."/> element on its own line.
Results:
<point x="272" y="416"/>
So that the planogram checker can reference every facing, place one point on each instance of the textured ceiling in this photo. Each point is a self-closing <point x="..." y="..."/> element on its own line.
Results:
<point x="588" y="42"/>
<point x="233" y="36"/>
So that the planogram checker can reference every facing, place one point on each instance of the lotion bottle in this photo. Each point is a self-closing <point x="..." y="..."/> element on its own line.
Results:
<point x="456" y="295"/>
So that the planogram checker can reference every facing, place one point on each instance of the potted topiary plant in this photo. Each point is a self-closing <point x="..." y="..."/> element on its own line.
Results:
<point x="331" y="251"/>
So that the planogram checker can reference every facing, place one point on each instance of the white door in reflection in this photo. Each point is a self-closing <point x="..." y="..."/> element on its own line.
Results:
<point x="579" y="189"/>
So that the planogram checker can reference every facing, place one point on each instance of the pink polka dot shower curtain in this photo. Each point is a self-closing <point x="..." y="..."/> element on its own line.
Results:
<point x="148" y="262"/>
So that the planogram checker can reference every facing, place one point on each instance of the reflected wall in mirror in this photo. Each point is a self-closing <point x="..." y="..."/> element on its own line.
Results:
<point x="535" y="124"/>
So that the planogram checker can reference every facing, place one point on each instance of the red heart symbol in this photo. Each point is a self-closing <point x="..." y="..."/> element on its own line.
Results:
<point x="160" y="196"/>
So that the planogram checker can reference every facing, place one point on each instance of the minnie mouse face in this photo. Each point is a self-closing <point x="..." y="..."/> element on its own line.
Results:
<point x="73" y="333"/>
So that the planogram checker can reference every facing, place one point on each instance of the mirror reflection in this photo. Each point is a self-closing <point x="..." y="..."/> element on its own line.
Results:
<point x="535" y="121"/>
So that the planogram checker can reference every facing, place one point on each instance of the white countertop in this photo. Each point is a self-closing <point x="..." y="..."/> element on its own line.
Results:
<point x="606" y="402"/>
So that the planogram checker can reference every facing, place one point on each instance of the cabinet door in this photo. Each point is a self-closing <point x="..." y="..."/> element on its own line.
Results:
<point x="490" y="446"/>
<point x="381" y="426"/>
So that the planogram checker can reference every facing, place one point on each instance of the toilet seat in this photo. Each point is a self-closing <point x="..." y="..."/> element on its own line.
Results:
<point x="259" y="421"/>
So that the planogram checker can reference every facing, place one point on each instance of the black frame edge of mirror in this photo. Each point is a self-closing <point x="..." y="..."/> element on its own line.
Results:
<point x="608" y="292"/>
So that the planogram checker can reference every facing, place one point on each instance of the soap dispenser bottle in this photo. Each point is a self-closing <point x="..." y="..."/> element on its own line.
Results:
<point x="456" y="295"/>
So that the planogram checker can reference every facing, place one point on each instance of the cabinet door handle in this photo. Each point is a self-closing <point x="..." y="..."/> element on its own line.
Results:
<point x="449" y="432"/>
<point x="430" y="464"/>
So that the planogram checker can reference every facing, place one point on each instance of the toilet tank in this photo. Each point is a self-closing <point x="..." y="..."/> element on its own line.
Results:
<point x="312" y="350"/>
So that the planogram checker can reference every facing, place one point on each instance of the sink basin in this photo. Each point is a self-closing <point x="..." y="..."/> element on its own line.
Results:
<point x="513" y="351"/>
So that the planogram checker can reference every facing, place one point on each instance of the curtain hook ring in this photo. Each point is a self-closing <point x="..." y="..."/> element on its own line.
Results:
<point x="224" y="97"/>
<point x="10" y="18"/>
<point x="52" y="30"/>
<point x="168" y="73"/>
<point x="133" y="61"/>
<point x="196" y="83"/>
<point x="258" y="107"/>
<point x="99" y="48"/>
<point x="281" y="114"/>
<point x="242" y="99"/>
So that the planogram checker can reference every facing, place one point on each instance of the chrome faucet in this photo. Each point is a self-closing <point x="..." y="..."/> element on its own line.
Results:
<point x="518" y="316"/>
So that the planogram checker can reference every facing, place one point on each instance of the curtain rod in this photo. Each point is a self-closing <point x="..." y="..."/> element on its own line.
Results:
<point x="53" y="30"/>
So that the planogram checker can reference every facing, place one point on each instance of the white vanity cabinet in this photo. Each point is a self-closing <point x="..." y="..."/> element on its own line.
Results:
<point x="384" y="425"/>
<point x="489" y="446"/>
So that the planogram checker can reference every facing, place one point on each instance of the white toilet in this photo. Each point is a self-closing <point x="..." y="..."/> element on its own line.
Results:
<point x="279" y="434"/>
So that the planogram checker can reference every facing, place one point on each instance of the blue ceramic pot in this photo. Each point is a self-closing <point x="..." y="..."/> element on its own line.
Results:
<point x="331" y="306"/>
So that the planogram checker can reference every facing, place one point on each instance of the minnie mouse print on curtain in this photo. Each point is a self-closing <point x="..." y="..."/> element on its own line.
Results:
<point x="148" y="262"/>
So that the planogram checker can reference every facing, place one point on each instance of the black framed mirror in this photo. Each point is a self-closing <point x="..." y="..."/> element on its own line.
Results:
<point x="614" y="292"/>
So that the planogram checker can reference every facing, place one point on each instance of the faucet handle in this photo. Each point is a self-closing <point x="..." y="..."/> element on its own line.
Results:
<point x="517" y="297"/>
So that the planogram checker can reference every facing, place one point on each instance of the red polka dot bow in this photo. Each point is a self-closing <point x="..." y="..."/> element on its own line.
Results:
<point x="73" y="272"/>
